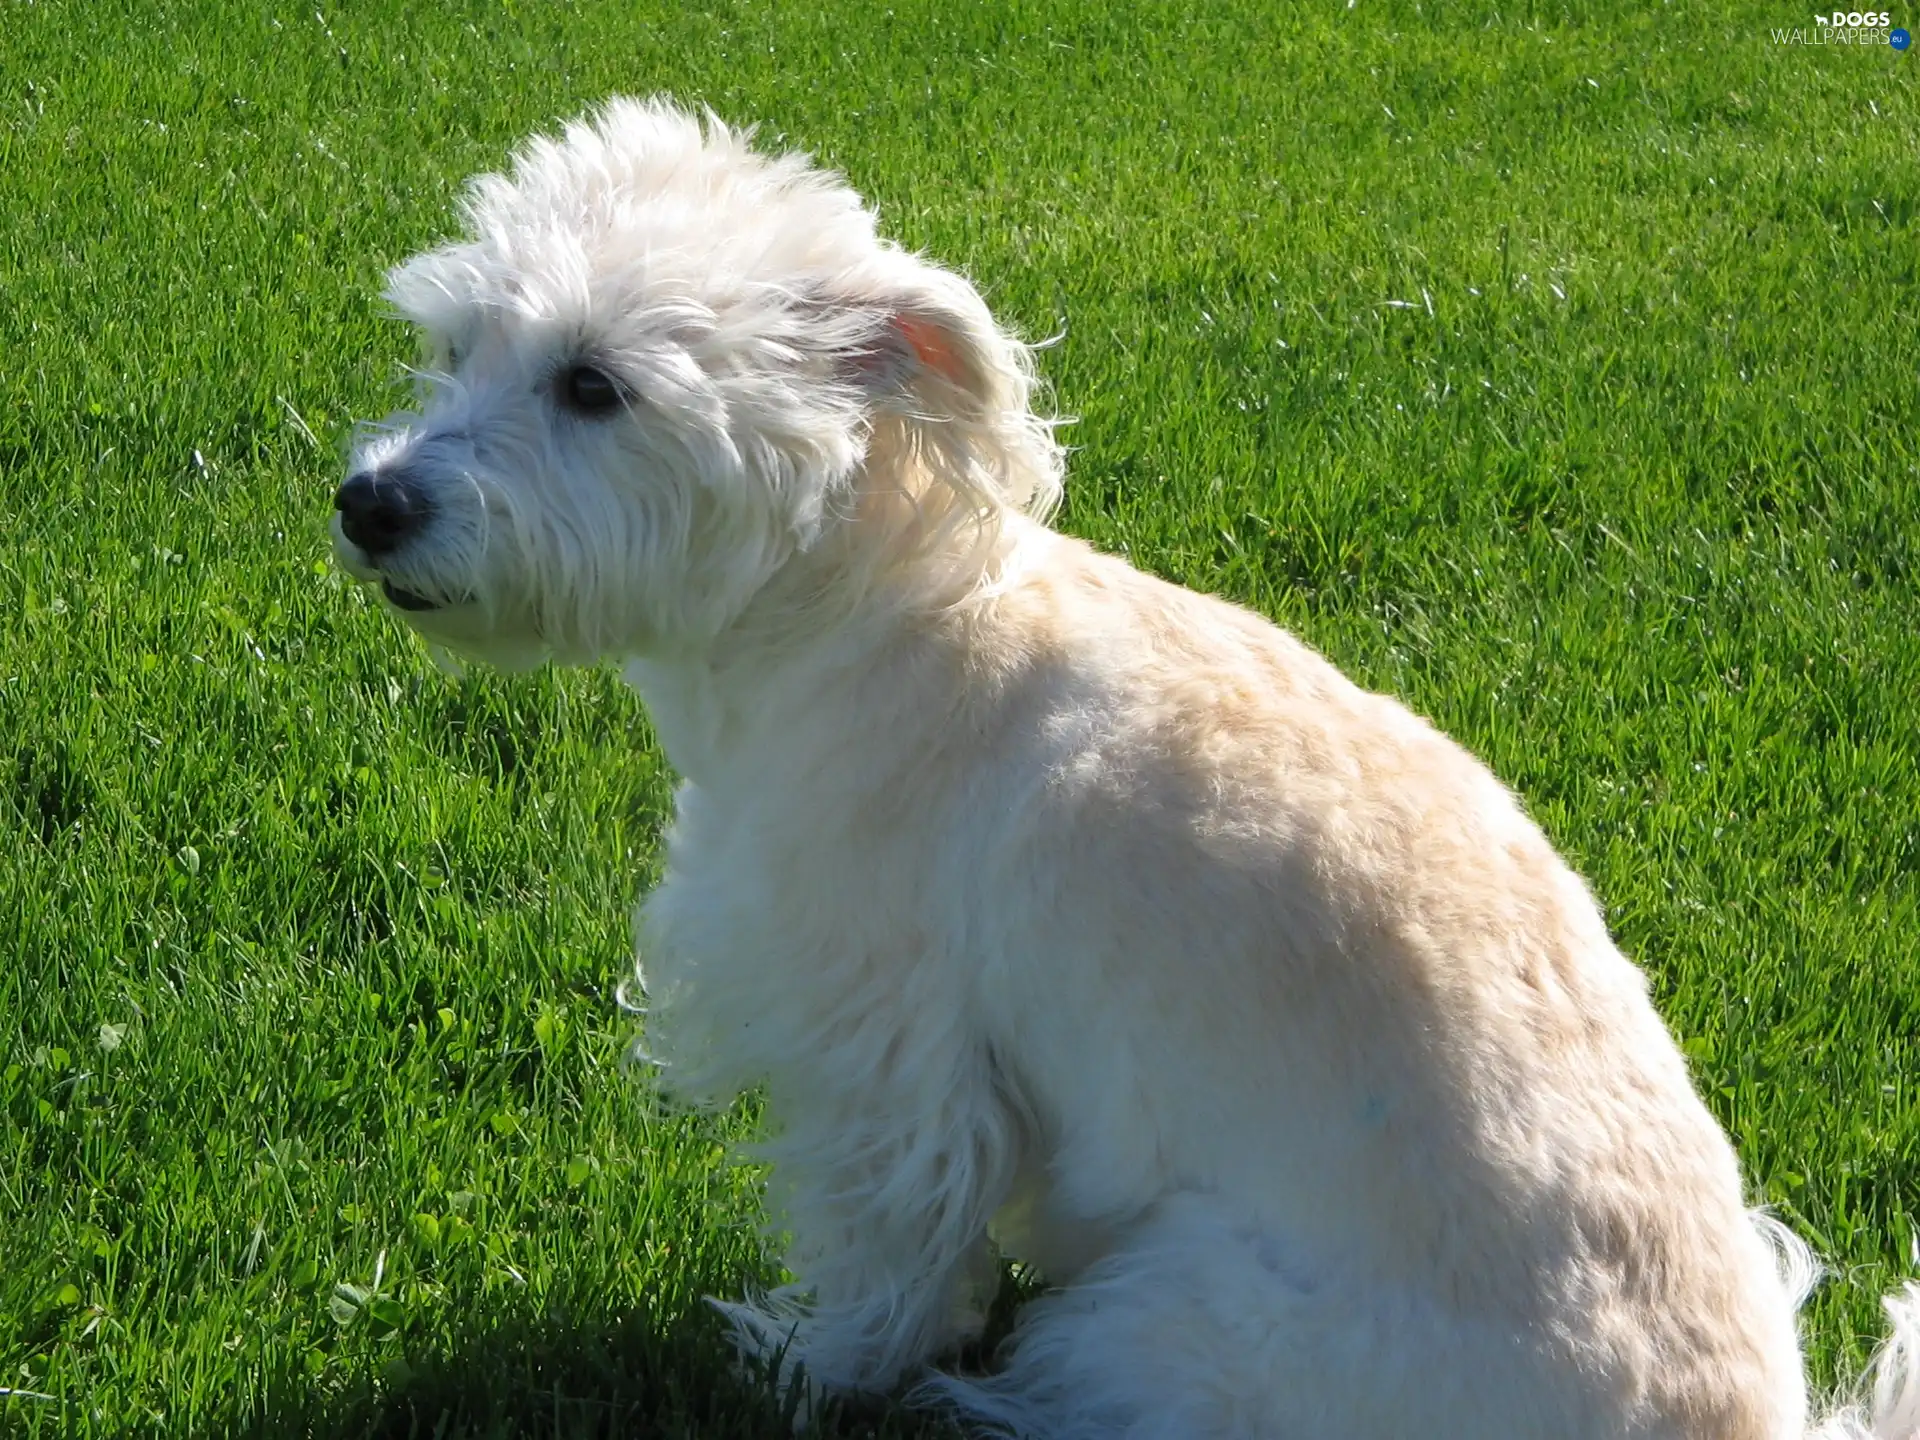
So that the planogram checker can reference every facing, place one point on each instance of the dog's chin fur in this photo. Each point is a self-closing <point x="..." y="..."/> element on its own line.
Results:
<point x="1057" y="911"/>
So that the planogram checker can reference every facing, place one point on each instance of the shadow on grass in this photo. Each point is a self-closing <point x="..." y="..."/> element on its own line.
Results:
<point x="577" y="1373"/>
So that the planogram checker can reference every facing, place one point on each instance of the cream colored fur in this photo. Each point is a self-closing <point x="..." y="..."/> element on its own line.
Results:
<point x="1057" y="910"/>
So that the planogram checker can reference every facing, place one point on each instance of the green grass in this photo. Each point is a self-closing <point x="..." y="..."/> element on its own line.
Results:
<point x="1551" y="367"/>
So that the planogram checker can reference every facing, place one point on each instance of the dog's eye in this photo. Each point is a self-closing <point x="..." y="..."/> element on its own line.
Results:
<point x="589" y="390"/>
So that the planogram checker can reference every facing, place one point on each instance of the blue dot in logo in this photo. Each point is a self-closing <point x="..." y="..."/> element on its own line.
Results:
<point x="1899" y="39"/>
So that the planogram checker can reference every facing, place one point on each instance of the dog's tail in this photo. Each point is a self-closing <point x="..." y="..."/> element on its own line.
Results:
<point x="1885" y="1404"/>
<point x="1889" y="1407"/>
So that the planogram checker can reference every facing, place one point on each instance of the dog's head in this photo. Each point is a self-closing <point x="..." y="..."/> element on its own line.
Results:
<point x="661" y="366"/>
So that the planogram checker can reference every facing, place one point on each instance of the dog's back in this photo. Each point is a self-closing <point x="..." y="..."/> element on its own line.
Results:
<point x="1297" y="994"/>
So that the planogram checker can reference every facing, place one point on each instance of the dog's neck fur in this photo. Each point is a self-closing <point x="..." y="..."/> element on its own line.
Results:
<point x="813" y="632"/>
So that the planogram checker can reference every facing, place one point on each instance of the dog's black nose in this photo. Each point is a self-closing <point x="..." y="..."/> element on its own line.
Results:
<point x="379" y="511"/>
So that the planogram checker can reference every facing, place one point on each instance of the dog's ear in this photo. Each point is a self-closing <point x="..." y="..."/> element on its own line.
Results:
<point x="914" y="339"/>
<point x="918" y="353"/>
<point x="936" y="373"/>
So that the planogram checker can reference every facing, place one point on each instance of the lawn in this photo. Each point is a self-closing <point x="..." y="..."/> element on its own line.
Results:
<point x="1550" y="366"/>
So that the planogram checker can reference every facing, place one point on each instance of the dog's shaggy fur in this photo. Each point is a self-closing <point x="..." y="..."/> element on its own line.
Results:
<point x="1058" y="911"/>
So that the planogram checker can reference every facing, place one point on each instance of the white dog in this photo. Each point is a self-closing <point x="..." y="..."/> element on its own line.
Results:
<point x="1048" y="902"/>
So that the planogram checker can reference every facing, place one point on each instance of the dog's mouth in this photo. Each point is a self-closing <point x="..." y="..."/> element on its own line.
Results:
<point x="407" y="599"/>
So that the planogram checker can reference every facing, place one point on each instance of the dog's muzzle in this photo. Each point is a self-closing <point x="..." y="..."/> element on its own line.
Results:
<point x="379" y="512"/>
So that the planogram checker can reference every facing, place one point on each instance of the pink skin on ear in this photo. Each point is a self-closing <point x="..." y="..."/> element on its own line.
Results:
<point x="930" y="344"/>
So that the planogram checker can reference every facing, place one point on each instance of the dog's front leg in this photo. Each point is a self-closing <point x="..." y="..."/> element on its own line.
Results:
<point x="887" y="1216"/>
